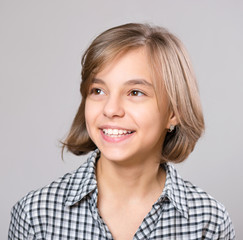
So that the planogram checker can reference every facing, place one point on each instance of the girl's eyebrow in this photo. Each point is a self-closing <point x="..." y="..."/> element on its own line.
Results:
<point x="97" y="80"/>
<point x="129" y="82"/>
<point x="140" y="82"/>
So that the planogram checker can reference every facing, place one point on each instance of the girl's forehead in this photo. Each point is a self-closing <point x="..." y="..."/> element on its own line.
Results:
<point x="128" y="65"/>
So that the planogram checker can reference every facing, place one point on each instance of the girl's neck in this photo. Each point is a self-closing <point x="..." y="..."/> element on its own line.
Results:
<point x="129" y="181"/>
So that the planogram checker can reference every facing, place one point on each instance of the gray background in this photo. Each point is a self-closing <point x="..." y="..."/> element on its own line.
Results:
<point x="41" y="43"/>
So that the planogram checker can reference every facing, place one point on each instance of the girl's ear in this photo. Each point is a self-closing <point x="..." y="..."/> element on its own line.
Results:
<point x="173" y="121"/>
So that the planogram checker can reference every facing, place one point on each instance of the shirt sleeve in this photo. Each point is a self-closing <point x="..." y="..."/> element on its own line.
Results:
<point x="226" y="229"/>
<point x="20" y="227"/>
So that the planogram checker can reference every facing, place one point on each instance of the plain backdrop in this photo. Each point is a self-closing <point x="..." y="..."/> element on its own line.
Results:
<point x="41" y="44"/>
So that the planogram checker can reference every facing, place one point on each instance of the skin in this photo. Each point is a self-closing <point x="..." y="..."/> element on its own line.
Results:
<point x="129" y="175"/>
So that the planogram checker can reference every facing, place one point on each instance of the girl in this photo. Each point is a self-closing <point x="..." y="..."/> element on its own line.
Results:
<point x="140" y="110"/>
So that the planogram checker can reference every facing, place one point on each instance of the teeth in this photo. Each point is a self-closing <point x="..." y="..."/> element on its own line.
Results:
<point x="116" y="132"/>
<point x="121" y="131"/>
<point x="110" y="131"/>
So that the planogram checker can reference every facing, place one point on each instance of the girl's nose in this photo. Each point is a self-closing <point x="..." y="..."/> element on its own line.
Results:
<point x="113" y="107"/>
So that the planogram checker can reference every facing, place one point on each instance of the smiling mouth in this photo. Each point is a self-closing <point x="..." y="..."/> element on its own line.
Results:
<point x="115" y="133"/>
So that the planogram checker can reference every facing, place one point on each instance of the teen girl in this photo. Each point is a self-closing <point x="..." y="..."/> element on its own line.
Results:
<point x="140" y="110"/>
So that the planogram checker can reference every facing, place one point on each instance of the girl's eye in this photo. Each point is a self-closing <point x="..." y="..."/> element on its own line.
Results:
<point x="136" y="93"/>
<point x="96" y="91"/>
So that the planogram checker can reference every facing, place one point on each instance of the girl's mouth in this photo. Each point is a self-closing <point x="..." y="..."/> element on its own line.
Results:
<point x="115" y="133"/>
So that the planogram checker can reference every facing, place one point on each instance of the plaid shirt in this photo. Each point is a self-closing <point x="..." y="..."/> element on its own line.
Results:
<point x="67" y="209"/>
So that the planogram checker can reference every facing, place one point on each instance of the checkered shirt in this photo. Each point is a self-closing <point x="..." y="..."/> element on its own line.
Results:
<point x="67" y="209"/>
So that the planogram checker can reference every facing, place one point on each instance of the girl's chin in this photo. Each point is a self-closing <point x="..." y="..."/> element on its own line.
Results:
<point x="118" y="155"/>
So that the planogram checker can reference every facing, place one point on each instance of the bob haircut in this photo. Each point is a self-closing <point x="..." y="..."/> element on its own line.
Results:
<point x="170" y="69"/>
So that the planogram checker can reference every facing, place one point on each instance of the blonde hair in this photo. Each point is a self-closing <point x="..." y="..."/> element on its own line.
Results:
<point x="170" y="68"/>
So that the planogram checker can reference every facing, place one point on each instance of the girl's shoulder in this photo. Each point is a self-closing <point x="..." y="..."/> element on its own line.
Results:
<point x="198" y="207"/>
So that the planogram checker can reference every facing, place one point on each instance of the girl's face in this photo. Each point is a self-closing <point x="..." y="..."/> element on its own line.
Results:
<point x="121" y="111"/>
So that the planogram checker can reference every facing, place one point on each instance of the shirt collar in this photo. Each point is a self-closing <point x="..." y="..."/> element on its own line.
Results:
<point x="175" y="190"/>
<point x="83" y="182"/>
